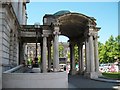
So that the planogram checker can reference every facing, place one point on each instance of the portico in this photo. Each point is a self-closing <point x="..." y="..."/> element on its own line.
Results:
<point x="81" y="30"/>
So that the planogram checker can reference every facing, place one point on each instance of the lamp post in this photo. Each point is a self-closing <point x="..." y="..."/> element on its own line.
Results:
<point x="37" y="27"/>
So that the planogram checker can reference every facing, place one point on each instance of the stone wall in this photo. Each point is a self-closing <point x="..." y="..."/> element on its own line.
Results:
<point x="8" y="38"/>
<point x="35" y="80"/>
<point x="11" y="16"/>
<point x="0" y="47"/>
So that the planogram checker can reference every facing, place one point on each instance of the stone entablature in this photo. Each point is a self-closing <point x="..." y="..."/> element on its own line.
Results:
<point x="81" y="30"/>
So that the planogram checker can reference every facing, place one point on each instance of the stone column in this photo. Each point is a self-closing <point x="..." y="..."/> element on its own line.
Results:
<point x="49" y="55"/>
<point x="56" y="49"/>
<point x="93" y="74"/>
<point x="72" y="59"/>
<point x="41" y="66"/>
<point x="91" y="52"/>
<point x="80" y="58"/>
<point x="44" y="54"/>
<point x="96" y="53"/>
<point x="87" y="56"/>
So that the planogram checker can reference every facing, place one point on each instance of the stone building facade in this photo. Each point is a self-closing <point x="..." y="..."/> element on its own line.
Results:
<point x="12" y="15"/>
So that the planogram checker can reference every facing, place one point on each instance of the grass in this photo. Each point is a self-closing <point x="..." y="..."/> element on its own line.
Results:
<point x="112" y="75"/>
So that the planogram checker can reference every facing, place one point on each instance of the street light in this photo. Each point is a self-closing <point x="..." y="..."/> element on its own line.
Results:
<point x="37" y="27"/>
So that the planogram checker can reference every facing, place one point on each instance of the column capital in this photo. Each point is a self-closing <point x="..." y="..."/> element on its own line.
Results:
<point x="56" y="33"/>
<point x="96" y="35"/>
<point x="57" y="23"/>
<point x="72" y="43"/>
<point x="97" y="28"/>
<point x="90" y="34"/>
<point x="45" y="35"/>
<point x="80" y="43"/>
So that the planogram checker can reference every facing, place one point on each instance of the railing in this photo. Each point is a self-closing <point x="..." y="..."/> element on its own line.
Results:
<point x="14" y="69"/>
<point x="18" y="69"/>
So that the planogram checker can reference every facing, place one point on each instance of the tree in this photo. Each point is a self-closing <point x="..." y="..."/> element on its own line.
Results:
<point x="109" y="50"/>
<point x="61" y="50"/>
<point x="76" y="53"/>
<point x="101" y="52"/>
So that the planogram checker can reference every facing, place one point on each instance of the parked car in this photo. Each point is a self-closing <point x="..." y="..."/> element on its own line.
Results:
<point x="109" y="67"/>
<point x="103" y="68"/>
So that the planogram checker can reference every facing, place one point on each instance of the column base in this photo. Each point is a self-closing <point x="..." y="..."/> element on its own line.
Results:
<point x="99" y="74"/>
<point x="36" y="70"/>
<point x="81" y="72"/>
<point x="56" y="70"/>
<point x="91" y="75"/>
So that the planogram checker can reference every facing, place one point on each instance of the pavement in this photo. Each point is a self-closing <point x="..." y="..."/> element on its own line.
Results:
<point x="79" y="82"/>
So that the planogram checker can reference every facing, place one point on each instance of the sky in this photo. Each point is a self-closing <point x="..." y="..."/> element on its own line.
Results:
<point x="106" y="14"/>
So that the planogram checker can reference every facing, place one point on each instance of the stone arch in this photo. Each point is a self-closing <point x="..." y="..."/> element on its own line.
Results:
<point x="80" y="29"/>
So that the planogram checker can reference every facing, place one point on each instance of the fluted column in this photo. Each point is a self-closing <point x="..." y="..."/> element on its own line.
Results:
<point x="80" y="58"/>
<point x="44" y="54"/>
<point x="87" y="56"/>
<point x="41" y="66"/>
<point x="91" y="52"/>
<point x="72" y="59"/>
<point x="56" y="49"/>
<point x="49" y="55"/>
<point x="96" y="53"/>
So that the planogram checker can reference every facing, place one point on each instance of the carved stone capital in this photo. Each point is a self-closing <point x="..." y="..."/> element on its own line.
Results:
<point x="56" y="32"/>
<point x="45" y="35"/>
<point x="95" y="35"/>
<point x="72" y="43"/>
<point x="98" y="28"/>
<point x="90" y="34"/>
<point x="56" y="23"/>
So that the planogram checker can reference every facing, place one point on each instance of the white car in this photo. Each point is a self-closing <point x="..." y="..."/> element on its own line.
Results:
<point x="110" y="67"/>
<point x="103" y="68"/>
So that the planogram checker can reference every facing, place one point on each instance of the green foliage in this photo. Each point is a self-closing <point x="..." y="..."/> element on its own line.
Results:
<point x="29" y="61"/>
<point x="76" y="54"/>
<point x="115" y="75"/>
<point x="110" y="50"/>
<point x="39" y="59"/>
<point x="61" y="52"/>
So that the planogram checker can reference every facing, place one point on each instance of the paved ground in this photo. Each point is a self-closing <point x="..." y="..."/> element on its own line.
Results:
<point x="78" y="81"/>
